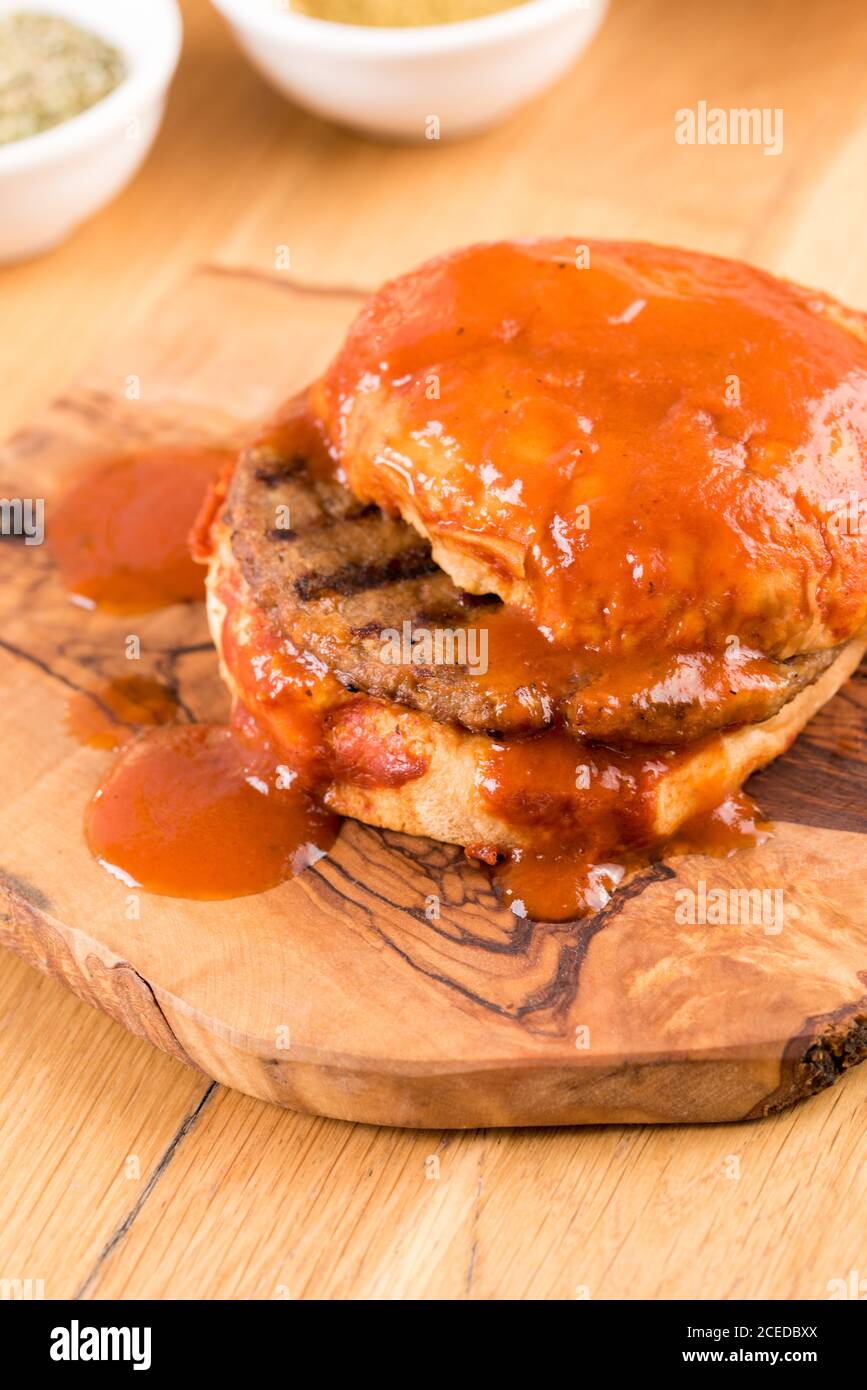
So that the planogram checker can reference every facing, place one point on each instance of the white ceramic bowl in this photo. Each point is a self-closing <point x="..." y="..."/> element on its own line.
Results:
<point x="52" y="181"/>
<point x="392" y="81"/>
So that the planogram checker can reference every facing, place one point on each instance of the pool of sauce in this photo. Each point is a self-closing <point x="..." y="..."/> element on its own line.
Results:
<point x="120" y="535"/>
<point x="204" y="811"/>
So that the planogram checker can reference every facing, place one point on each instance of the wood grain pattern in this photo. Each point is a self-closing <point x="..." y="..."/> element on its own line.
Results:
<point x="111" y="985"/>
<point x="117" y="1107"/>
<point x="744" y="1210"/>
<point x="252" y="1199"/>
<point x="472" y="1017"/>
<point x="240" y="1199"/>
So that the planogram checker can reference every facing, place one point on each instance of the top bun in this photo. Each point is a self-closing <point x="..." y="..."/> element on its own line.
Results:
<point x="647" y="449"/>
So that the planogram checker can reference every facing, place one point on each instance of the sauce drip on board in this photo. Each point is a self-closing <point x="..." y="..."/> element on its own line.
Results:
<point x="591" y="814"/>
<point x="204" y="811"/>
<point x="194" y="811"/>
<point x="735" y="823"/>
<point x="557" y="885"/>
<point x="578" y="803"/>
<point x="113" y="713"/>
<point x="120" y="535"/>
<point x="215" y="811"/>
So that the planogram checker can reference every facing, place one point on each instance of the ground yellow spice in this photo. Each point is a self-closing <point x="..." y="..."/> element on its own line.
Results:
<point x="400" y="13"/>
<point x="50" y="70"/>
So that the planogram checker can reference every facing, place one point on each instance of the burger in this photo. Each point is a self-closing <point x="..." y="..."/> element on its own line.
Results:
<point x="565" y="543"/>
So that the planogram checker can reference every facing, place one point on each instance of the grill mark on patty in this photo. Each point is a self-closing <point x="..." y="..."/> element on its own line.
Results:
<point x="356" y="579"/>
<point x="272" y="475"/>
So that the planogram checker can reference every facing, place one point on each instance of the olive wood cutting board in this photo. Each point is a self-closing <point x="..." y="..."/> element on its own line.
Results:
<point x="340" y="992"/>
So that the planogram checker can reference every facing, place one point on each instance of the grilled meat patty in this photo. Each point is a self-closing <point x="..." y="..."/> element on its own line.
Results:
<point x="335" y="575"/>
<point x="387" y="765"/>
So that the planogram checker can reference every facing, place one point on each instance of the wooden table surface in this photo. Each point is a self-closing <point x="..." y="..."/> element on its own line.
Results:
<point x="125" y="1175"/>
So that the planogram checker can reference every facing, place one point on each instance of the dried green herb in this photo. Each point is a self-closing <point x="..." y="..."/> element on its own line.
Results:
<point x="50" y="70"/>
